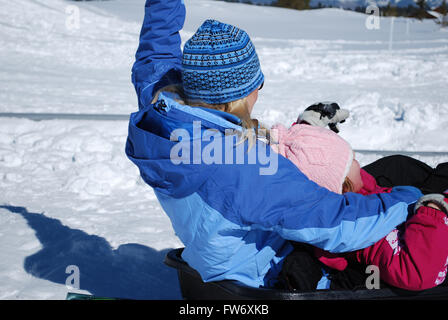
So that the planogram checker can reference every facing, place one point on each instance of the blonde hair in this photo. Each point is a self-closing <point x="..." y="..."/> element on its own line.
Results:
<point x="347" y="185"/>
<point x="239" y="108"/>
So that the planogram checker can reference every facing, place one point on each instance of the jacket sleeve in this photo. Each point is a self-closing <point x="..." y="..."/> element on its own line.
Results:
<point x="413" y="257"/>
<point x="300" y="210"/>
<point x="158" y="60"/>
<point x="369" y="184"/>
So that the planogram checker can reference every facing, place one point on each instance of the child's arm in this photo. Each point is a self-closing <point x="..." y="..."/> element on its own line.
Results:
<point x="415" y="259"/>
<point x="159" y="56"/>
<point x="370" y="185"/>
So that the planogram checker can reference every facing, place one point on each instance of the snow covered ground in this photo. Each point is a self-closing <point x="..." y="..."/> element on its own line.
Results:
<point x="69" y="196"/>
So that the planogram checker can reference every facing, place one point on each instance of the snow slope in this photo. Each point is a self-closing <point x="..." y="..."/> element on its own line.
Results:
<point x="68" y="194"/>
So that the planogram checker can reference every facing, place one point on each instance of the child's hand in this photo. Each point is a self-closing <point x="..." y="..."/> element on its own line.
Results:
<point x="322" y="114"/>
<point x="434" y="206"/>
<point x="433" y="200"/>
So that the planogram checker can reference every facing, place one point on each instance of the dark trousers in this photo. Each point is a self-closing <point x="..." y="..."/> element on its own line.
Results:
<point x="401" y="170"/>
<point x="302" y="271"/>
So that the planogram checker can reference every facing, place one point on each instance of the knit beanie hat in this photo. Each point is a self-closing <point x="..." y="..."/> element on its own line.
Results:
<point x="220" y="64"/>
<point x="321" y="154"/>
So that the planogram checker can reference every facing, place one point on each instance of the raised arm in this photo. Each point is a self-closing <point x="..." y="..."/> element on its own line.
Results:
<point x="158" y="60"/>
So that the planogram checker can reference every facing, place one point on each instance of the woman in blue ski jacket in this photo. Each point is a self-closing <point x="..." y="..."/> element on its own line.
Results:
<point x="232" y="202"/>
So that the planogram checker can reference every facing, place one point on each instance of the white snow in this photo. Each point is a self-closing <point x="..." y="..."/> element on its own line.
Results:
<point x="69" y="195"/>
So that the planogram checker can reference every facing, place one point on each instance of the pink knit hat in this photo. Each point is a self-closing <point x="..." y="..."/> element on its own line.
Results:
<point x="321" y="154"/>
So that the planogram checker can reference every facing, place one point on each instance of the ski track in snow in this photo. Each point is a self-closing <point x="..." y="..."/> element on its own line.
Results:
<point x="69" y="195"/>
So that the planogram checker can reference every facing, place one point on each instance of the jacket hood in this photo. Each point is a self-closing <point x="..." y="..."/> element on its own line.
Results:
<point x="159" y="136"/>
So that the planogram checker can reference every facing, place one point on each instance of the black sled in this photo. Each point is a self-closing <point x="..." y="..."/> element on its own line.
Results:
<point x="193" y="288"/>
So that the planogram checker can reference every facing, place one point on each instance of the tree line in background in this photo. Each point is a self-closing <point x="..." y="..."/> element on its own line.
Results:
<point x="419" y="11"/>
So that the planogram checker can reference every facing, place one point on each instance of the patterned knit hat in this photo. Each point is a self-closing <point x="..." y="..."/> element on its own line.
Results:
<point x="220" y="64"/>
<point x="321" y="154"/>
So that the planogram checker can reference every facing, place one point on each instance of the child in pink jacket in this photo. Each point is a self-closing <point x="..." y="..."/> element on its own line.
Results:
<point x="415" y="255"/>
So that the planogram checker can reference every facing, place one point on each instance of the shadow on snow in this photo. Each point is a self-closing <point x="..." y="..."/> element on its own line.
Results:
<point x="131" y="271"/>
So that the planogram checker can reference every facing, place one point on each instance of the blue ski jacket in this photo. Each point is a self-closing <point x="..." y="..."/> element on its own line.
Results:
<point x="234" y="220"/>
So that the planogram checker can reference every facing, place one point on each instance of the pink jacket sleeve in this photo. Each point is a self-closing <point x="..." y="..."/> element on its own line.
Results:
<point x="370" y="185"/>
<point x="415" y="259"/>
